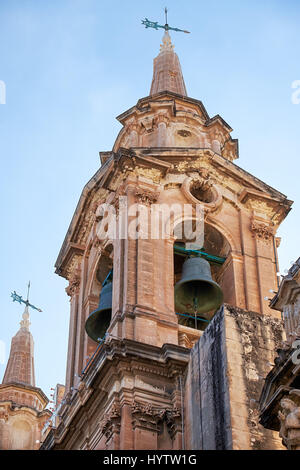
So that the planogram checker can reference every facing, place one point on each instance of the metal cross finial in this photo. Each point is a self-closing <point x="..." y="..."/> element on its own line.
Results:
<point x="28" y="288"/>
<point x="18" y="298"/>
<point x="166" y="27"/>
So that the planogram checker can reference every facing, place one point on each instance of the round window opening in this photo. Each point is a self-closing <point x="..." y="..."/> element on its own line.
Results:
<point x="202" y="191"/>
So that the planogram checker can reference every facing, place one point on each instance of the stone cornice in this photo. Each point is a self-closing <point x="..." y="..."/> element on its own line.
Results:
<point x="26" y="388"/>
<point x="255" y="187"/>
<point x="176" y="108"/>
<point x="117" y="357"/>
<point x="73" y="252"/>
<point x="288" y="289"/>
<point x="143" y="103"/>
<point x="12" y="409"/>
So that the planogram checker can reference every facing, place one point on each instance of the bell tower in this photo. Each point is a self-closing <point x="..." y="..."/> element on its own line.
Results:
<point x="23" y="410"/>
<point x="126" y="252"/>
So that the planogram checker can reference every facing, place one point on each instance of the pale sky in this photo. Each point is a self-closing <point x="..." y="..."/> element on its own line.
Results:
<point x="70" y="67"/>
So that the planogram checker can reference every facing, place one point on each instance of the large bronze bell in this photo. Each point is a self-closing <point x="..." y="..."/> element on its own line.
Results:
<point x="99" y="320"/>
<point x="196" y="293"/>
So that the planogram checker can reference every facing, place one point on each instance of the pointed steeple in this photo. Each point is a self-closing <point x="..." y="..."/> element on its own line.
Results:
<point x="167" y="73"/>
<point x="20" y="365"/>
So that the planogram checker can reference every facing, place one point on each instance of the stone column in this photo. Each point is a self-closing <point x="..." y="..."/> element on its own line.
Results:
<point x="265" y="262"/>
<point x="126" y="433"/>
<point x="73" y="291"/>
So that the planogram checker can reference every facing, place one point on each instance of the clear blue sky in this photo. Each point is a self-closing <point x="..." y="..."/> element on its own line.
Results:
<point x="70" y="67"/>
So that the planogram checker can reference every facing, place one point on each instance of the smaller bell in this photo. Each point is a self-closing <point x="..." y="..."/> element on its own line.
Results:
<point x="99" y="320"/>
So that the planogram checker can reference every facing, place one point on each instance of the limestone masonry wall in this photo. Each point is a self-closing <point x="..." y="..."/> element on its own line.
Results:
<point x="225" y="378"/>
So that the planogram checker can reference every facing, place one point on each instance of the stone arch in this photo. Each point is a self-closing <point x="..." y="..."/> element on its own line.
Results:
<point x="215" y="243"/>
<point x="99" y="271"/>
<point x="94" y="281"/>
<point x="175" y="217"/>
<point x="234" y="247"/>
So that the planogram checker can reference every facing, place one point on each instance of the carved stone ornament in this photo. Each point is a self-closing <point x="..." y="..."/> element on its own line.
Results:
<point x="186" y="340"/>
<point x="145" y="197"/>
<point x="148" y="124"/>
<point x="74" y="282"/>
<point x="261" y="231"/>
<point x="133" y="126"/>
<point x="145" y="416"/>
<point x="111" y="421"/>
<point x="289" y="417"/>
<point x="162" y="117"/>
<point x="3" y="414"/>
<point x="173" y="420"/>
<point x="97" y="243"/>
<point x="120" y="203"/>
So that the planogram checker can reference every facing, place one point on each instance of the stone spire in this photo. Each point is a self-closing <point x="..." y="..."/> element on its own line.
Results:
<point x="167" y="73"/>
<point x="20" y="366"/>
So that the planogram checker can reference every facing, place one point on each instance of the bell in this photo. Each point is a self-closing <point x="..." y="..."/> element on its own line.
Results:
<point x="99" y="320"/>
<point x="196" y="292"/>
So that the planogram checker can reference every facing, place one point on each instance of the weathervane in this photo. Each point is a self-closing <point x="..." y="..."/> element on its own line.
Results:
<point x="18" y="298"/>
<point x="166" y="27"/>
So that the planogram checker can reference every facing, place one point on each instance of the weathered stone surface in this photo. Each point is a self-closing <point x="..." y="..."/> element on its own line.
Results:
<point x="279" y="401"/>
<point x="207" y="392"/>
<point x="225" y="378"/>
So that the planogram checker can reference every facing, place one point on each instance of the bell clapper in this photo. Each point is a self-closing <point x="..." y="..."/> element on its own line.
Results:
<point x="195" y="305"/>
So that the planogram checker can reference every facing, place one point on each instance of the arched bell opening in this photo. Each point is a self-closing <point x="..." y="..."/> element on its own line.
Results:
<point x="99" y="319"/>
<point x="199" y="276"/>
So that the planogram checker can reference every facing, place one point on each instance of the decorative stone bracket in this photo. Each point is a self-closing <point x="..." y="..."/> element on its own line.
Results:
<point x="111" y="422"/>
<point x="262" y="231"/>
<point x="145" y="416"/>
<point x="3" y="415"/>
<point x="74" y="282"/>
<point x="146" y="197"/>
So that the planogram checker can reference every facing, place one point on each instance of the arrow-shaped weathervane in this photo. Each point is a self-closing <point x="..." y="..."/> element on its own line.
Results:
<point x="18" y="298"/>
<point x="166" y="27"/>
